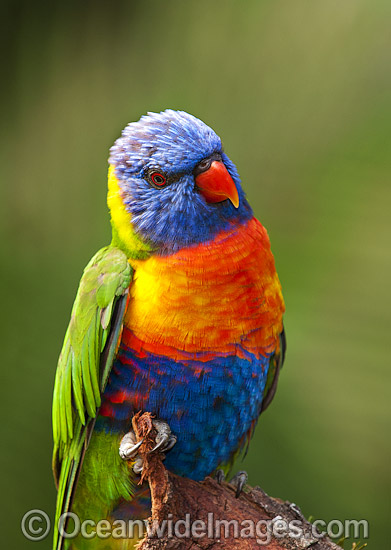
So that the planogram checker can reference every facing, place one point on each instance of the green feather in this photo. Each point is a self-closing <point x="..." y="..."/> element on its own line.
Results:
<point x="106" y="315"/>
<point x="68" y="401"/>
<point x="85" y="363"/>
<point x="77" y="390"/>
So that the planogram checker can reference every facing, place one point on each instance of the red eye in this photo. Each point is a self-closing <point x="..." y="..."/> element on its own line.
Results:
<point x="158" y="179"/>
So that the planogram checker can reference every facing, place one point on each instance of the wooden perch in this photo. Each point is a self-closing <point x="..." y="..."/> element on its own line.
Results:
<point x="206" y="515"/>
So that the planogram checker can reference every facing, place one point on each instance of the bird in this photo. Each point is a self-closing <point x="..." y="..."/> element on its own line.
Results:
<point x="181" y="316"/>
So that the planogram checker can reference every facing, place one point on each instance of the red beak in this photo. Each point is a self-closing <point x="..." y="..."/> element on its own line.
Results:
<point x="216" y="185"/>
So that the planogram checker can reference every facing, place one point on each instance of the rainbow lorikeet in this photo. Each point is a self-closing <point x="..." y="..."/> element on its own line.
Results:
<point x="181" y="316"/>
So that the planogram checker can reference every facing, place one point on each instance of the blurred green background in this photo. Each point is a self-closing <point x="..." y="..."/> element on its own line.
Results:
<point x="300" y="93"/>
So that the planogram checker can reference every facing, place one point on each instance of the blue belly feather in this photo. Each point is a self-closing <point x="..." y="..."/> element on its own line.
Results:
<point x="210" y="406"/>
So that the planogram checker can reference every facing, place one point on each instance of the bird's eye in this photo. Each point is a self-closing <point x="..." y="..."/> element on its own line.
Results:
<point x="204" y="165"/>
<point x="158" y="179"/>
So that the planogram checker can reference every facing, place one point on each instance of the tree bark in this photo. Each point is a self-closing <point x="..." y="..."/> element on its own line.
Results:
<point x="207" y="516"/>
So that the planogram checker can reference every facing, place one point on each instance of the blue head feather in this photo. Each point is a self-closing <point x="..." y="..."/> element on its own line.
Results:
<point x="176" y="216"/>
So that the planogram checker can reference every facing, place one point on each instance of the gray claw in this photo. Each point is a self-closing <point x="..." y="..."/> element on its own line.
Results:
<point x="219" y="476"/>
<point x="128" y="450"/>
<point x="161" y="442"/>
<point x="165" y="440"/>
<point x="128" y="446"/>
<point x="239" y="481"/>
<point x="170" y="443"/>
<point x="138" y="466"/>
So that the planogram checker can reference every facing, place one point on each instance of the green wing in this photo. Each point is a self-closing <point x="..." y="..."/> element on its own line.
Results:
<point x="84" y="365"/>
<point x="275" y="365"/>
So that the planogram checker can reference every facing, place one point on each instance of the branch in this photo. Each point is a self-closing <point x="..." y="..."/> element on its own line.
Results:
<point x="207" y="516"/>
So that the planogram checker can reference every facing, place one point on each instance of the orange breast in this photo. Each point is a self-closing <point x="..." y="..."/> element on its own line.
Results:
<point x="220" y="297"/>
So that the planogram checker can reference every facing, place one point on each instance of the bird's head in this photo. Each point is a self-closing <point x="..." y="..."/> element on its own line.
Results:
<point x="171" y="185"/>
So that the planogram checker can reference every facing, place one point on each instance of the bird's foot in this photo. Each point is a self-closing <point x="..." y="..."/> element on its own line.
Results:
<point x="239" y="481"/>
<point x="219" y="476"/>
<point x="165" y="439"/>
<point x="129" y="446"/>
